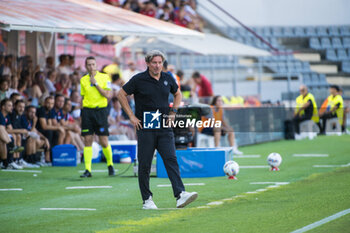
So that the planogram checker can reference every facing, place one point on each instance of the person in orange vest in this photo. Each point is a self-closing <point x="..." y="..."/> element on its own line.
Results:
<point x="218" y="115"/>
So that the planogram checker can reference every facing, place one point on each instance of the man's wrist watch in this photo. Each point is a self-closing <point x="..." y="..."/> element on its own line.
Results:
<point x="174" y="110"/>
<point x="96" y="84"/>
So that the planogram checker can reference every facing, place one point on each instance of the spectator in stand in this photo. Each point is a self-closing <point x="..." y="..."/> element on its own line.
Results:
<point x="22" y="88"/>
<point x="13" y="84"/>
<point x="2" y="61"/>
<point x="14" y="97"/>
<point x="185" y="87"/>
<point x="45" y="125"/>
<point x="8" y="65"/>
<point x="112" y="2"/>
<point x="39" y="89"/>
<point x="50" y="81"/>
<point x="4" y="86"/>
<point x="63" y="84"/>
<point x="118" y="125"/>
<point x="113" y="68"/>
<point x="63" y="67"/>
<point x="50" y="65"/>
<point x="202" y="85"/>
<point x="218" y="115"/>
<point x="57" y="119"/>
<point x="75" y="81"/>
<point x="130" y="72"/>
<point x="149" y="9"/>
<point x="36" y="140"/>
<point x="73" y="129"/>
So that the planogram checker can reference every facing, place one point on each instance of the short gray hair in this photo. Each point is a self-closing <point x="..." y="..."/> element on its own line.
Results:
<point x="154" y="53"/>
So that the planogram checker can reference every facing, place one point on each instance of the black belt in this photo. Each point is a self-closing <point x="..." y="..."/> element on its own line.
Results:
<point x="96" y="108"/>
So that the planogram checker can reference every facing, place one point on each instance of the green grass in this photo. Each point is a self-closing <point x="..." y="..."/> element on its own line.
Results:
<point x="313" y="194"/>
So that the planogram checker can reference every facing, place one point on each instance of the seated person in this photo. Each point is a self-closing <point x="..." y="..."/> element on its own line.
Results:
<point x="334" y="109"/>
<point x="118" y="125"/>
<point x="58" y="118"/>
<point x="306" y="108"/>
<point x="45" y="125"/>
<point x="6" y="138"/>
<point x="218" y="115"/>
<point x="72" y="128"/>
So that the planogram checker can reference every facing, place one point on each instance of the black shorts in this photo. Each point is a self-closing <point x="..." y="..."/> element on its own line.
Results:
<point x="94" y="121"/>
<point x="210" y="131"/>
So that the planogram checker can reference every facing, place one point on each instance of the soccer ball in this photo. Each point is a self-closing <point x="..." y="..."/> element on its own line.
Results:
<point x="274" y="160"/>
<point x="231" y="168"/>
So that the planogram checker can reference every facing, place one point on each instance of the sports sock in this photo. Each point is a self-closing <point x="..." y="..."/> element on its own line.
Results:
<point x="107" y="151"/>
<point x="88" y="157"/>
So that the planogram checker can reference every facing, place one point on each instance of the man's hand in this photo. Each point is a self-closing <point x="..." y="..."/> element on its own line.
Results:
<point x="92" y="79"/>
<point x="171" y="119"/>
<point x="136" y="122"/>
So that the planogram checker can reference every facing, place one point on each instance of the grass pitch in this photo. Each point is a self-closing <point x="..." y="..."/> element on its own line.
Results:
<point x="312" y="194"/>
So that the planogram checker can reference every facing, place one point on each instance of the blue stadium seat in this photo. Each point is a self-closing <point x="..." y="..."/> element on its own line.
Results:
<point x="277" y="31"/>
<point x="333" y="31"/>
<point x="306" y="79"/>
<point x="242" y="32"/>
<point x="266" y="31"/>
<point x="346" y="66"/>
<point x="288" y="32"/>
<point x="299" y="31"/>
<point x="306" y="66"/>
<point x="314" y="43"/>
<point x="326" y="43"/>
<point x="298" y="66"/>
<point x="310" y="31"/>
<point x="331" y="55"/>
<point x="321" y="31"/>
<point x="346" y="42"/>
<point x="336" y="43"/>
<point x="342" y="55"/>
<point x="345" y="30"/>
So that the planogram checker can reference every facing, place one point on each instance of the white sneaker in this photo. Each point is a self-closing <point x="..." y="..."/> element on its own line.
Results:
<point x="149" y="204"/>
<point x="24" y="164"/>
<point x="185" y="199"/>
<point x="236" y="151"/>
<point x="13" y="165"/>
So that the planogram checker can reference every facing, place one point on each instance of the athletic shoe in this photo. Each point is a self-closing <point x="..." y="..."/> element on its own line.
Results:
<point x="185" y="199"/>
<point x="16" y="149"/>
<point x="86" y="174"/>
<point x="40" y="164"/>
<point x="236" y="151"/>
<point x="111" y="171"/>
<point x="13" y="165"/>
<point x="2" y="166"/>
<point x="24" y="164"/>
<point x="149" y="204"/>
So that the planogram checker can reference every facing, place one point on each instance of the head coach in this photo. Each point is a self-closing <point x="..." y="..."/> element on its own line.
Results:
<point x="151" y="90"/>
<point x="95" y="90"/>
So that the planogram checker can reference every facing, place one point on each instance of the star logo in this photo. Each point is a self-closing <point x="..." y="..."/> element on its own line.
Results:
<point x="151" y="120"/>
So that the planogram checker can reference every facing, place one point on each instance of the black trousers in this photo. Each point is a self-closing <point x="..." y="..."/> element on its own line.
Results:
<point x="324" y="118"/>
<point x="163" y="141"/>
<point x="297" y="120"/>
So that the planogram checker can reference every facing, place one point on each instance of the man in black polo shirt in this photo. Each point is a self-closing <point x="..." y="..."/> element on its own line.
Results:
<point x="57" y="114"/>
<point x="151" y="90"/>
<point x="45" y="125"/>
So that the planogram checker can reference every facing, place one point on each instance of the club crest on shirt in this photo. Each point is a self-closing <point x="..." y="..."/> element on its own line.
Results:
<point x="166" y="83"/>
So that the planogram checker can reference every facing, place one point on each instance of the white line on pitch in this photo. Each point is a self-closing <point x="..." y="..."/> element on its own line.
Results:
<point x="310" y="155"/>
<point x="255" y="166"/>
<point x="252" y="192"/>
<point x="322" y="221"/>
<point x="189" y="184"/>
<point x="216" y="203"/>
<point x="90" y="187"/>
<point x="340" y="165"/>
<point x="86" y="209"/>
<point x="31" y="171"/>
<point x="246" y="156"/>
<point x="278" y="183"/>
<point x="17" y="189"/>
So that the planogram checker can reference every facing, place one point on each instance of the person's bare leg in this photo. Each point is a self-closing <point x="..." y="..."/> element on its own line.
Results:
<point x="3" y="150"/>
<point x="61" y="137"/>
<point x="4" y="135"/>
<point x="68" y="138"/>
<point x="217" y="137"/>
<point x="231" y="139"/>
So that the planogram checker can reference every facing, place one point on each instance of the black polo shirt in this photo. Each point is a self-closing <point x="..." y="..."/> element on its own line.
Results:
<point x="151" y="94"/>
<point x="17" y="121"/>
<point x="43" y="113"/>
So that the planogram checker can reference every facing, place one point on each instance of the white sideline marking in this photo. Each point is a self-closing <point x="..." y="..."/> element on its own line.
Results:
<point x="340" y="165"/>
<point x="261" y="190"/>
<point x="246" y="156"/>
<point x="255" y="166"/>
<point x="90" y="187"/>
<point x="277" y="183"/>
<point x="189" y="184"/>
<point x="216" y="203"/>
<point x="310" y="155"/>
<point x="88" y="209"/>
<point x="322" y="221"/>
<point x="272" y="186"/>
<point x="252" y="192"/>
<point x="203" y="207"/>
<point x="31" y="171"/>
<point x="17" y="189"/>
